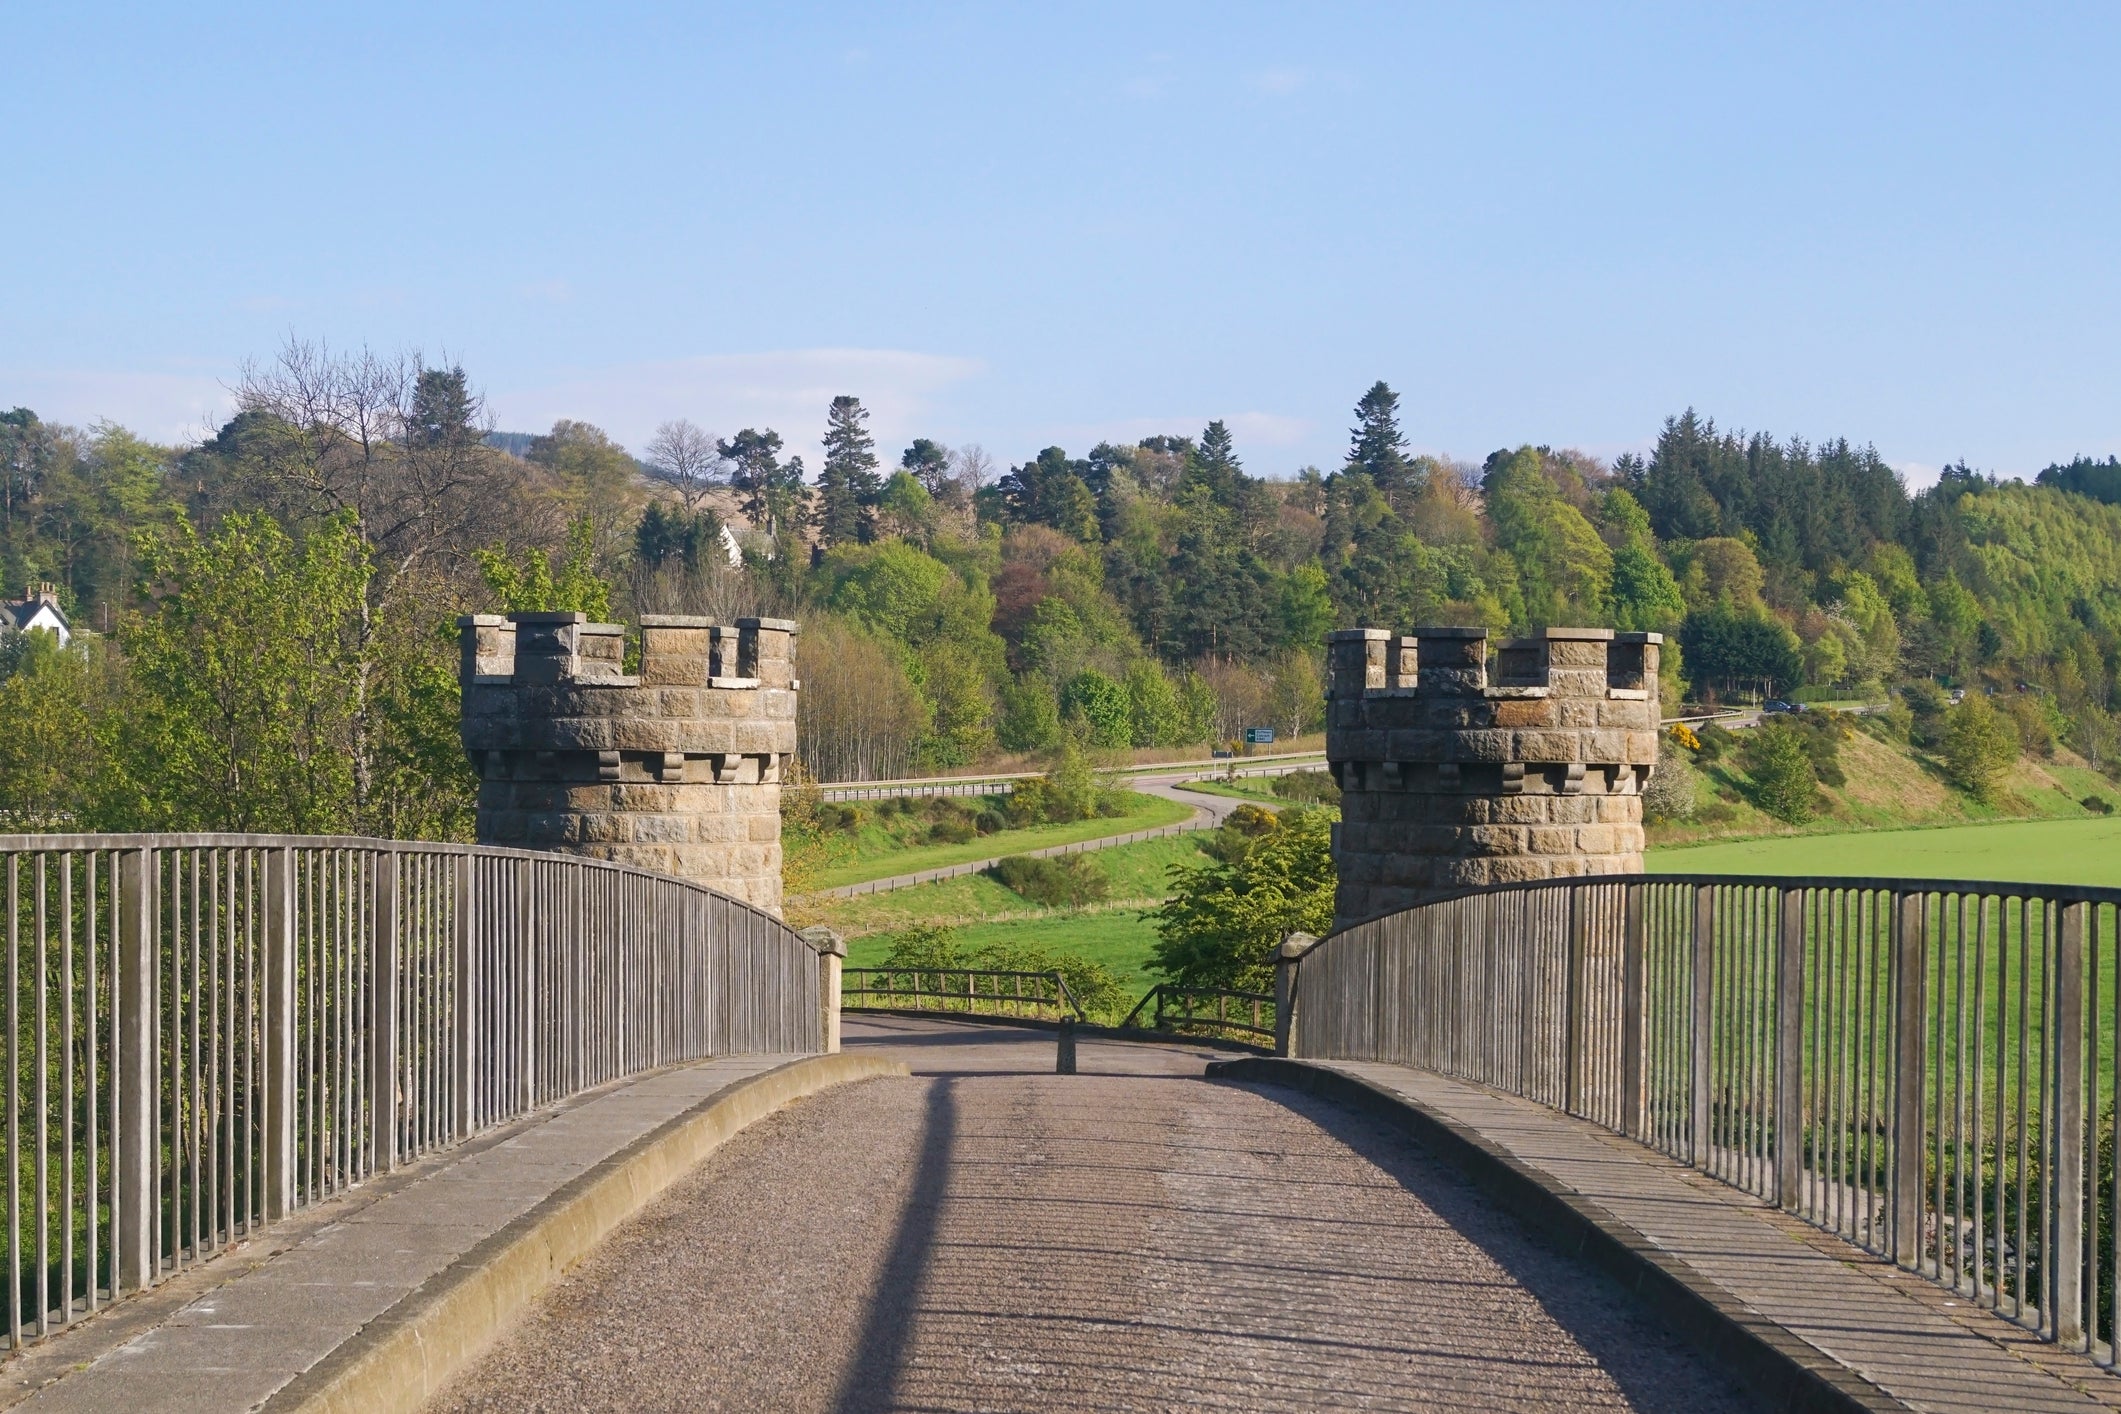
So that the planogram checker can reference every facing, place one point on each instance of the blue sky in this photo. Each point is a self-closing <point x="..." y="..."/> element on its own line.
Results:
<point x="1022" y="225"/>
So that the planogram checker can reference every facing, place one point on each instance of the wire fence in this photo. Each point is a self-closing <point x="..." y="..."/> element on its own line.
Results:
<point x="208" y="1032"/>
<point x="1930" y="1070"/>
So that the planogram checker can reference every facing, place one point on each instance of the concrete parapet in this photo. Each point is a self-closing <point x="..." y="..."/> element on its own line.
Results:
<point x="1459" y="767"/>
<point x="675" y="768"/>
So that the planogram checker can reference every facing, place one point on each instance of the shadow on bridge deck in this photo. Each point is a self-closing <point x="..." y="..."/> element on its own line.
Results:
<point x="988" y="1234"/>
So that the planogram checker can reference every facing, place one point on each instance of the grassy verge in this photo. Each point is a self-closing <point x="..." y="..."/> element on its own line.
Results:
<point x="1259" y="791"/>
<point x="1134" y="873"/>
<point x="876" y="854"/>
<point x="1889" y="787"/>
<point x="2081" y="851"/>
<point x="1112" y="933"/>
<point x="1119" y="938"/>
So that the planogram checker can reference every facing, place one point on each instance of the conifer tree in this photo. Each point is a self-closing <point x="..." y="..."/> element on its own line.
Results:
<point x="929" y="461"/>
<point x="768" y="492"/>
<point x="847" y="484"/>
<point x="1375" y="445"/>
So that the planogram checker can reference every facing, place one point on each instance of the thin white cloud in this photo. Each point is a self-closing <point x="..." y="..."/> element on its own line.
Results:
<point x="788" y="390"/>
<point x="1281" y="82"/>
<point x="1269" y="428"/>
<point x="163" y="407"/>
<point x="1918" y="474"/>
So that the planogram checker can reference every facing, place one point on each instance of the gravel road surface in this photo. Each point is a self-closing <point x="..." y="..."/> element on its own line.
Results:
<point x="988" y="1235"/>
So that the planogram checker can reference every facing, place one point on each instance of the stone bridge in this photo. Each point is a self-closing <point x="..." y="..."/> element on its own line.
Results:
<point x="356" y="1125"/>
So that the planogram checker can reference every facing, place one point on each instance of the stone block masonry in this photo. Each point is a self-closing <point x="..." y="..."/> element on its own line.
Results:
<point x="1457" y="771"/>
<point x="676" y="768"/>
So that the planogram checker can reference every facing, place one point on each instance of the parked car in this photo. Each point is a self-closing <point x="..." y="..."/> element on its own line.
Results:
<point x="1776" y="704"/>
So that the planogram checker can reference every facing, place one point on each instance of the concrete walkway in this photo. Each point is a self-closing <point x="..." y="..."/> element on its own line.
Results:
<point x="990" y="1235"/>
<point x="1909" y="1338"/>
<point x="232" y="1332"/>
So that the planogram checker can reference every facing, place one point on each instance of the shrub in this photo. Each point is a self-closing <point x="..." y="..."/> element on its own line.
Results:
<point x="1670" y="795"/>
<point x="1312" y="787"/>
<point x="1822" y="734"/>
<point x="2097" y="804"/>
<point x="1927" y="706"/>
<point x="1781" y="770"/>
<point x="1240" y="829"/>
<point x="1980" y="744"/>
<point x="1066" y="793"/>
<point x="1224" y="919"/>
<point x="1715" y="741"/>
<point x="1065" y="881"/>
<point x="1894" y="722"/>
<point x="951" y="832"/>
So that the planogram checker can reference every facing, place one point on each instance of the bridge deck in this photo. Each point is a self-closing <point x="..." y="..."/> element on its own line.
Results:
<point x="1907" y="1336"/>
<point x="990" y="1235"/>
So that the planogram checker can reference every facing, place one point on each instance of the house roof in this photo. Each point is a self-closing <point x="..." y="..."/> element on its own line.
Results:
<point x="22" y="613"/>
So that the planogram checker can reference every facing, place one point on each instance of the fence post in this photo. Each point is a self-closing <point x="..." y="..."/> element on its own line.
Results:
<point x="1910" y="954"/>
<point x="2066" y="1279"/>
<point x="1286" y="960"/>
<point x="464" y="997"/>
<point x="1789" y="1054"/>
<point x="530" y="923"/>
<point x="278" y="1033"/>
<point x="135" y="1134"/>
<point x="1634" y="950"/>
<point x="1576" y="1033"/>
<point x="831" y="958"/>
<point x="383" y="1014"/>
<point x="1703" y="1001"/>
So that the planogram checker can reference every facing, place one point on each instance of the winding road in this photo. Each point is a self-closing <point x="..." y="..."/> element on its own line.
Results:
<point x="990" y="1235"/>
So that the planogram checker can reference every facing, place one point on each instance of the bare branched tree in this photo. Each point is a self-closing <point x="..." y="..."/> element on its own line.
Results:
<point x="684" y="457"/>
<point x="396" y="447"/>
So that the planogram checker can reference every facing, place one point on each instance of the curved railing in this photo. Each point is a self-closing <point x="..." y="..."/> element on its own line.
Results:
<point x="208" y="1032"/>
<point x="1219" y="1012"/>
<point x="960" y="991"/>
<point x="1930" y="1069"/>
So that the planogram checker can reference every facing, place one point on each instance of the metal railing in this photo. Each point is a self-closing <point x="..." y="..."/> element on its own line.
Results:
<point x="208" y="1032"/>
<point x="1931" y="1070"/>
<point x="959" y="991"/>
<point x="1214" y="1011"/>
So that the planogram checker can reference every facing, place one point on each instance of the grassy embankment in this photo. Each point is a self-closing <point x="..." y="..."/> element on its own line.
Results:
<point x="1890" y="786"/>
<point x="1112" y="932"/>
<point x="885" y="846"/>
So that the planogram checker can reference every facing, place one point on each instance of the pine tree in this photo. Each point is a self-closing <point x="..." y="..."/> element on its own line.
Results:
<point x="768" y="492"/>
<point x="847" y="485"/>
<point x="1376" y="446"/>
<point x="929" y="461"/>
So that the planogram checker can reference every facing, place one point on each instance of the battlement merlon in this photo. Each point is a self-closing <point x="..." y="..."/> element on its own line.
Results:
<point x="556" y="683"/>
<point x="1564" y="696"/>
<point x="676" y="651"/>
<point x="1561" y="662"/>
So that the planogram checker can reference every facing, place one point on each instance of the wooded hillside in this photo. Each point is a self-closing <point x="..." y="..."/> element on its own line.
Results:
<point x="265" y="617"/>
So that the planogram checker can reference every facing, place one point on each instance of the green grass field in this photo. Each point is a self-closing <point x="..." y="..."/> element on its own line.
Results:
<point x="875" y="854"/>
<point x="2083" y="851"/>
<point x="1118" y="938"/>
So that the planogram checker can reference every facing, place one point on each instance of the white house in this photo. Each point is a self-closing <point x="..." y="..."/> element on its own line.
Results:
<point x="37" y="608"/>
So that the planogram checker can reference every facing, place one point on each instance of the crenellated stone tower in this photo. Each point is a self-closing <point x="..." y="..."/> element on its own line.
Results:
<point x="1452" y="778"/>
<point x="676" y="768"/>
